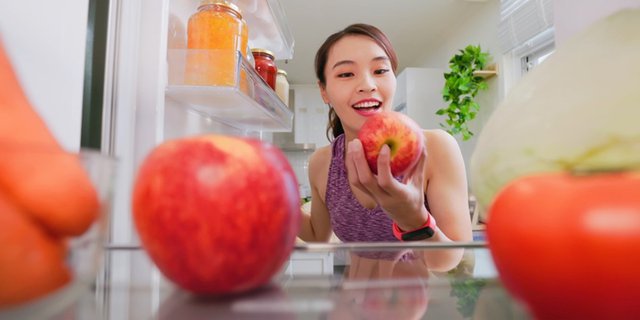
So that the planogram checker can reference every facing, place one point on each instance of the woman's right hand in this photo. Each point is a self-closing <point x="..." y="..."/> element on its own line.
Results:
<point x="402" y="201"/>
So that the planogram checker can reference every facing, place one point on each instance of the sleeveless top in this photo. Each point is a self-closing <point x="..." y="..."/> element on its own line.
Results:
<point x="351" y="222"/>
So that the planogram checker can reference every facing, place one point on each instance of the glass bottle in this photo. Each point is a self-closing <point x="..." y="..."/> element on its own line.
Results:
<point x="266" y="66"/>
<point x="282" y="86"/>
<point x="215" y="35"/>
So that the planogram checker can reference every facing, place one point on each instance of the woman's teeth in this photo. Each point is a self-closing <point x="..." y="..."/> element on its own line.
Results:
<point x="368" y="104"/>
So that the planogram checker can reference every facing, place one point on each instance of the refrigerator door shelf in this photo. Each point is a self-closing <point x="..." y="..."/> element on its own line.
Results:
<point x="268" y="28"/>
<point x="245" y="102"/>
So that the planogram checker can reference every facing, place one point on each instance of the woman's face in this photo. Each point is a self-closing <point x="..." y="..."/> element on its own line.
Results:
<point x="359" y="81"/>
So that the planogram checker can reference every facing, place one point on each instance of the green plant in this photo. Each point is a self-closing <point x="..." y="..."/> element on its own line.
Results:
<point x="460" y="89"/>
<point x="467" y="292"/>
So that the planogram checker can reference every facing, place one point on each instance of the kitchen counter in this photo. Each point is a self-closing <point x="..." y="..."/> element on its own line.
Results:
<point x="321" y="281"/>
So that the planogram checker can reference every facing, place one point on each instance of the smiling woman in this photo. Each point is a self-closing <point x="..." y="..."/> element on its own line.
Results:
<point x="356" y="75"/>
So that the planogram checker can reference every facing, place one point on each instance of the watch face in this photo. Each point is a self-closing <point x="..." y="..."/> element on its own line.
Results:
<point x="419" y="234"/>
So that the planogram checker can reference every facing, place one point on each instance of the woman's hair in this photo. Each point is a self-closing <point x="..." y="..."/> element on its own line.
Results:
<point x="335" y="126"/>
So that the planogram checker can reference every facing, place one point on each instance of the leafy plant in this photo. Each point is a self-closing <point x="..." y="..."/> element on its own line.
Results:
<point x="464" y="286"/>
<point x="460" y="89"/>
<point x="467" y="292"/>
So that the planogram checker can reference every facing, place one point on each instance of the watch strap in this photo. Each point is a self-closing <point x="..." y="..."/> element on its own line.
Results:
<point x="425" y="231"/>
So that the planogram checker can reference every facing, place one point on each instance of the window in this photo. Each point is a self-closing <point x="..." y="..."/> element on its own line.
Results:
<point x="526" y="34"/>
<point x="536" y="57"/>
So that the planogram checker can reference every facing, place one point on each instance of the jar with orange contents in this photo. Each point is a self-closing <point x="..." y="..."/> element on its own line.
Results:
<point x="215" y="35"/>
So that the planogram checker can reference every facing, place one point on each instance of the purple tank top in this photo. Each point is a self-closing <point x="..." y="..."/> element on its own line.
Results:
<point x="351" y="222"/>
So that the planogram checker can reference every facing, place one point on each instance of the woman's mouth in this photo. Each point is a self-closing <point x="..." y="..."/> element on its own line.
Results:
<point x="367" y="107"/>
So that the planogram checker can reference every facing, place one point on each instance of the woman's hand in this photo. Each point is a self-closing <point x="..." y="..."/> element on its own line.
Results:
<point x="402" y="201"/>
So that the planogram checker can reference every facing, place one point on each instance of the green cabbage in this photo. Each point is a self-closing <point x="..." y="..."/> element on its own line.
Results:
<point x="577" y="111"/>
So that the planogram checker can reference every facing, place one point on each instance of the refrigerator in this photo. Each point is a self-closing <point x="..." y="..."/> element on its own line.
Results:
<point x="146" y="102"/>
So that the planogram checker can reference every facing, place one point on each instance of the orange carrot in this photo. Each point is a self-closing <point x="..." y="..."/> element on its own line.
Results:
<point x="36" y="173"/>
<point x="31" y="260"/>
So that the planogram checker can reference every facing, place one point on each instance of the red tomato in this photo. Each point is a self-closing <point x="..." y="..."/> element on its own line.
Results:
<point x="569" y="246"/>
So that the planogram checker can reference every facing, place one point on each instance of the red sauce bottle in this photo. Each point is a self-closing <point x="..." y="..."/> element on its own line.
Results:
<point x="266" y="66"/>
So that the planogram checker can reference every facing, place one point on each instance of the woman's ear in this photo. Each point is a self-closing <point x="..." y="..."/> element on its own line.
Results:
<point x="323" y="92"/>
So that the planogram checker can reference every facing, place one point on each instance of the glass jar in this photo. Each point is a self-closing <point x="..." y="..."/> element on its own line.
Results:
<point x="215" y="35"/>
<point x="282" y="86"/>
<point x="266" y="66"/>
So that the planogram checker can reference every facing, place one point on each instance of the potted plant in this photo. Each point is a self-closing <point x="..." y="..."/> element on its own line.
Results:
<point x="462" y="83"/>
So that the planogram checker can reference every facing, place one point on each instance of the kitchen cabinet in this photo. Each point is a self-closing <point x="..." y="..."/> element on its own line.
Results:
<point x="311" y="114"/>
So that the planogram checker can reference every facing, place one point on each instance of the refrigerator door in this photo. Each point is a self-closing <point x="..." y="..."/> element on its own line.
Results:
<point x="146" y="103"/>
<point x="148" y="100"/>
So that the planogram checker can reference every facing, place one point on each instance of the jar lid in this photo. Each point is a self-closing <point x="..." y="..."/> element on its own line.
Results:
<point x="282" y="72"/>
<point x="265" y="51"/>
<point x="222" y="3"/>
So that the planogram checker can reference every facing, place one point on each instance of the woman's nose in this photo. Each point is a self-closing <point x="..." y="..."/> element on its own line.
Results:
<point x="367" y="84"/>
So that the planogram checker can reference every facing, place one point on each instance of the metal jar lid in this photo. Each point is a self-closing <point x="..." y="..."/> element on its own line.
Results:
<point x="263" y="51"/>
<point x="223" y="3"/>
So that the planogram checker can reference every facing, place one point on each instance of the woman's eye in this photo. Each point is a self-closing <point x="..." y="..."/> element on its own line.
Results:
<point x="345" y="75"/>
<point x="381" y="71"/>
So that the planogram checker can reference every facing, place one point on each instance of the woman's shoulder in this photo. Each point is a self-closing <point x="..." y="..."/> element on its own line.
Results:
<point x="320" y="156"/>
<point x="441" y="145"/>
<point x="319" y="161"/>
<point x="443" y="151"/>
<point x="440" y="139"/>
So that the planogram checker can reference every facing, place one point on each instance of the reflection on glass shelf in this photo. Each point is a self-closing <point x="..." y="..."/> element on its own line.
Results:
<point x="223" y="85"/>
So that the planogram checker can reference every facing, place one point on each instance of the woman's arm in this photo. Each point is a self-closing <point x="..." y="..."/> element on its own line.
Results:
<point x="446" y="187"/>
<point x="316" y="226"/>
<point x="446" y="190"/>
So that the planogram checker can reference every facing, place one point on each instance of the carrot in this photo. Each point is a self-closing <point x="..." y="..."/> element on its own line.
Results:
<point x="31" y="260"/>
<point x="36" y="173"/>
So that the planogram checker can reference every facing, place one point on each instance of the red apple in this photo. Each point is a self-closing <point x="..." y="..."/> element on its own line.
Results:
<point x="403" y="136"/>
<point x="217" y="214"/>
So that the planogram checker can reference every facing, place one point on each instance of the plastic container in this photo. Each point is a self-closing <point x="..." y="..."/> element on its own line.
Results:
<point x="266" y="66"/>
<point x="219" y="29"/>
<point x="250" y="58"/>
<point x="53" y="270"/>
<point x="282" y="86"/>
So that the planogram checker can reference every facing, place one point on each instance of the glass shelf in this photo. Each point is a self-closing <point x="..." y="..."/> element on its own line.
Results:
<point x="223" y="85"/>
<point x="268" y="28"/>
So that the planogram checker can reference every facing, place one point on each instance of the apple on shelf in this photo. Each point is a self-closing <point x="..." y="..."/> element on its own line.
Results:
<point x="403" y="136"/>
<point x="217" y="214"/>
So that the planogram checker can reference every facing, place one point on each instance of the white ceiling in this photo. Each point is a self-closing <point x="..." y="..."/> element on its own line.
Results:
<point x="413" y="26"/>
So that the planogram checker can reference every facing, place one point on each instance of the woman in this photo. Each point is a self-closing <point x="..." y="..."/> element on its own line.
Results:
<point x="356" y="74"/>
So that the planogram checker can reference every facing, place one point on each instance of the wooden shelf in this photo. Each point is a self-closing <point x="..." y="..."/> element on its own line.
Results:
<point x="489" y="72"/>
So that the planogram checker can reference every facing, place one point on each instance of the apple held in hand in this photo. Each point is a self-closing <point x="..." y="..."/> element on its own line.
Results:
<point x="403" y="136"/>
<point x="217" y="214"/>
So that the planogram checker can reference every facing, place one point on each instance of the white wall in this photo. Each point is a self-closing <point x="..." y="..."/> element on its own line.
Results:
<point x="479" y="29"/>
<point x="421" y="90"/>
<point x="45" y="41"/>
<point x="571" y="16"/>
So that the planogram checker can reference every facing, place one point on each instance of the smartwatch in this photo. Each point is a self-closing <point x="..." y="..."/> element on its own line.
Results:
<point x="425" y="231"/>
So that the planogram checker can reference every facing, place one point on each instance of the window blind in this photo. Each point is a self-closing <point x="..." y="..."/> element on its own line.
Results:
<point x="523" y="20"/>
